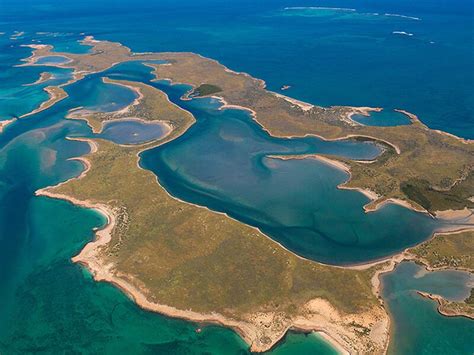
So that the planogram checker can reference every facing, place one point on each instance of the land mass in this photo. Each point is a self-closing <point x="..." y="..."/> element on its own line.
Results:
<point x="428" y="169"/>
<point x="448" y="251"/>
<point x="187" y="261"/>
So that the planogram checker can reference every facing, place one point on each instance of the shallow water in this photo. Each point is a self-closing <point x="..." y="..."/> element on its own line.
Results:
<point x="48" y="303"/>
<point x="384" y="118"/>
<point x="296" y="201"/>
<point x="418" y="328"/>
<point x="52" y="59"/>
<point x="132" y="131"/>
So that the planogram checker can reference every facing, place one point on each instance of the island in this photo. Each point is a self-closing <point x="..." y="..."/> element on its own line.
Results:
<point x="187" y="261"/>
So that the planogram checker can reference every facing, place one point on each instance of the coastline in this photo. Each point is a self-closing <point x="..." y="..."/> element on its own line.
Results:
<point x="442" y="303"/>
<point x="44" y="76"/>
<point x="138" y="296"/>
<point x="5" y="123"/>
<point x="89" y="258"/>
<point x="134" y="89"/>
<point x="56" y="94"/>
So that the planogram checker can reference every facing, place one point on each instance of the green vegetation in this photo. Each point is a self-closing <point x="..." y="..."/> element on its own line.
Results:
<point x="448" y="251"/>
<point x="194" y="259"/>
<point x="205" y="90"/>
<point x="433" y="170"/>
<point x="205" y="259"/>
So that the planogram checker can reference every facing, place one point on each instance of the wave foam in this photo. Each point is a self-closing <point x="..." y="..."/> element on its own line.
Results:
<point x="404" y="16"/>
<point x="402" y="33"/>
<point x="319" y="8"/>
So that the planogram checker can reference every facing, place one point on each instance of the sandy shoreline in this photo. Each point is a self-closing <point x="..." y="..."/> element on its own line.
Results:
<point x="89" y="255"/>
<point x="90" y="258"/>
<point x="134" y="89"/>
<point x="44" y="76"/>
<point x="5" y="123"/>
<point x="303" y="105"/>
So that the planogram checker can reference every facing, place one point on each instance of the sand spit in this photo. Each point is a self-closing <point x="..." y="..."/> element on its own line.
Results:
<point x="55" y="93"/>
<point x="322" y="317"/>
<point x="5" y="123"/>
<point x="44" y="76"/>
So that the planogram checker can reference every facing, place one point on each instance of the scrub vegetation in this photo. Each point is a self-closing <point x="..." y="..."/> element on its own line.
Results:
<point x="191" y="258"/>
<point x="448" y="251"/>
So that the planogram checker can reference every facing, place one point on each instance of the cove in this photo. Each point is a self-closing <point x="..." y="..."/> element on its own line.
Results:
<point x="417" y="327"/>
<point x="52" y="60"/>
<point x="132" y="131"/>
<point x="229" y="164"/>
<point x="384" y="118"/>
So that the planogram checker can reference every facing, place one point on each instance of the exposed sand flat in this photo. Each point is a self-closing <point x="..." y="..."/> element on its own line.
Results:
<point x="5" y="123"/>
<point x="301" y="104"/>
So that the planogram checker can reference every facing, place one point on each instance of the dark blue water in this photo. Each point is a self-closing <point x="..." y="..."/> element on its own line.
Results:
<point x="328" y="57"/>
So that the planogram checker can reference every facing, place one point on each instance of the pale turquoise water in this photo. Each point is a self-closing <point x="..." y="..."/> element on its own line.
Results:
<point x="418" y="328"/>
<point x="50" y="305"/>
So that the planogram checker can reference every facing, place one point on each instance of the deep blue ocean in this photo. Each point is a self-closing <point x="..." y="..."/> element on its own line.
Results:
<point x="421" y="61"/>
<point x="403" y="54"/>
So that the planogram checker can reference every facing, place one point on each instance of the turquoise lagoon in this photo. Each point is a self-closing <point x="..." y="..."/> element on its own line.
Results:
<point x="229" y="164"/>
<point x="52" y="60"/>
<point x="52" y="305"/>
<point x="132" y="131"/>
